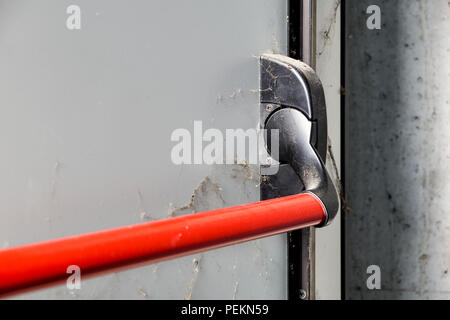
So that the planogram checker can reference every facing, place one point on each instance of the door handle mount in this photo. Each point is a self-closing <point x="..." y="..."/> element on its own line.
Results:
<point x="297" y="111"/>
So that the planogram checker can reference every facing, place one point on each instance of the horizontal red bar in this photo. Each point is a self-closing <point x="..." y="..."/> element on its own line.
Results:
<point x="46" y="262"/>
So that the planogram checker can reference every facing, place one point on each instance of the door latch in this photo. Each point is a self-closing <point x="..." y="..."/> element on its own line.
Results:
<point x="293" y="103"/>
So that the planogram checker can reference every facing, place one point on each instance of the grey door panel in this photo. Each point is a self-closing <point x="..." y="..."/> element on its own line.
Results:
<point x="86" y="118"/>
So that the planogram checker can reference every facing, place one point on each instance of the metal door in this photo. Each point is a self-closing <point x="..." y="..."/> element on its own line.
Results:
<point x="88" y="114"/>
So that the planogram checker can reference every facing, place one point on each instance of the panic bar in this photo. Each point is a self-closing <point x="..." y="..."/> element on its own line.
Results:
<point x="45" y="263"/>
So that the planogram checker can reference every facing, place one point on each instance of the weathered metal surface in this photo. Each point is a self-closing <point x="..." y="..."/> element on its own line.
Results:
<point x="397" y="149"/>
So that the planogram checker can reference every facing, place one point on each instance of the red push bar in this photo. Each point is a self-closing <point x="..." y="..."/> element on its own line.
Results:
<point x="46" y="262"/>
